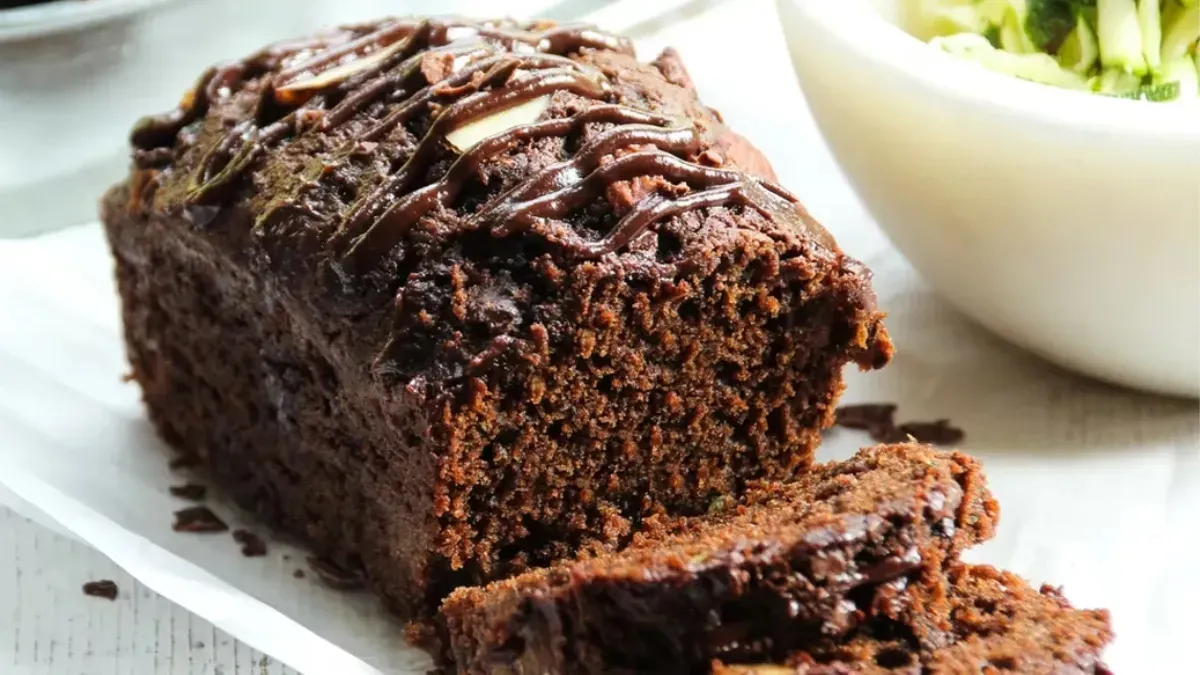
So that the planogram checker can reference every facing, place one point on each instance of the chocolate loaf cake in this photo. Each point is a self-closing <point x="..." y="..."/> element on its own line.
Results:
<point x="791" y="566"/>
<point x="998" y="624"/>
<point x="451" y="299"/>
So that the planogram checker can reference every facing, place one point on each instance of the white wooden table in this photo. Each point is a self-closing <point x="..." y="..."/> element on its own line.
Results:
<point x="49" y="627"/>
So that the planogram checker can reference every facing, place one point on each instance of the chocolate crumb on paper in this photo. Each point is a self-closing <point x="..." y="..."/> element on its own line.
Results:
<point x="252" y="545"/>
<point x="198" y="519"/>
<point x="335" y="576"/>
<point x="879" y="421"/>
<point x="298" y="574"/>
<point x="189" y="491"/>
<point x="103" y="588"/>
<point x="938" y="432"/>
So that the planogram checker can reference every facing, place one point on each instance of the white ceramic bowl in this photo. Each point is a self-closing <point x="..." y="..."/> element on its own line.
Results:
<point x="1065" y="222"/>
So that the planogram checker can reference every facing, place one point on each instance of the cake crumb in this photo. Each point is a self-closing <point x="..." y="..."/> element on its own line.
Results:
<point x="128" y="377"/>
<point x="103" y="588"/>
<point x="252" y="545"/>
<point x="198" y="519"/>
<point x="335" y="576"/>
<point x="189" y="491"/>
<point x="298" y="574"/>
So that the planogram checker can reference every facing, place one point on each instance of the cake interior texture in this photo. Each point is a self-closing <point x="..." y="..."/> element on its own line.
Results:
<point x="790" y="566"/>
<point x="441" y="364"/>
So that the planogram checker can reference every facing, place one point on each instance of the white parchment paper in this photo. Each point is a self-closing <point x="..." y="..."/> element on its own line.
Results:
<point x="1100" y="488"/>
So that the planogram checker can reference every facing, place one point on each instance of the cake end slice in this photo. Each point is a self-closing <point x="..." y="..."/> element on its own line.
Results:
<point x="790" y="565"/>
<point x="998" y="624"/>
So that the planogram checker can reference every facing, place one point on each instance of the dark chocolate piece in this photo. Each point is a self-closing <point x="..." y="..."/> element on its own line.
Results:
<point x="190" y="491"/>
<point x="939" y="432"/>
<point x="878" y="420"/>
<point x="334" y="575"/>
<point x="198" y="519"/>
<point x="252" y="545"/>
<point x="101" y="589"/>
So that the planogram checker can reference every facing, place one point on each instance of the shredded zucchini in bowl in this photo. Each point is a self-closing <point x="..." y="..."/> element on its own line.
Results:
<point x="1139" y="49"/>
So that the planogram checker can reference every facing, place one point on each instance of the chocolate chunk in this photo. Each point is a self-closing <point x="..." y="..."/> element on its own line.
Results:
<point x="334" y="575"/>
<point x="877" y="419"/>
<point x="101" y="589"/>
<point x="190" y="491"/>
<point x="252" y="545"/>
<point x="198" y="519"/>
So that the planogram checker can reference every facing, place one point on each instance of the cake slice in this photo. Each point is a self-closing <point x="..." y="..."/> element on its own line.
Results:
<point x="793" y="565"/>
<point x="452" y="299"/>
<point x="997" y="624"/>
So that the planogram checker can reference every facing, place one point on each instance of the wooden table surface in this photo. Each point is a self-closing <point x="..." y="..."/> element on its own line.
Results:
<point x="49" y="627"/>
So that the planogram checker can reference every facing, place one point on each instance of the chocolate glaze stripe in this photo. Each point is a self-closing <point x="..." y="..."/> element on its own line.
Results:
<point x="378" y="39"/>
<point x="157" y="131"/>
<point x="524" y="209"/>
<point x="637" y="127"/>
<point x="563" y="39"/>
<point x="473" y="77"/>
<point x="554" y="78"/>
<point x="534" y="200"/>
<point x="221" y="165"/>
<point x="365" y="88"/>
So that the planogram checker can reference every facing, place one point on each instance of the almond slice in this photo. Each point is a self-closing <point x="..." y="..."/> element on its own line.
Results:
<point x="295" y="92"/>
<point x="466" y="136"/>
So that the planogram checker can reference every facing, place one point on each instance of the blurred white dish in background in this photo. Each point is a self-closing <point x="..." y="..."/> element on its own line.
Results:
<point x="1066" y="222"/>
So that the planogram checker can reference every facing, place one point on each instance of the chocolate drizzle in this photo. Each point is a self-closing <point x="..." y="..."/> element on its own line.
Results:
<point x="491" y="67"/>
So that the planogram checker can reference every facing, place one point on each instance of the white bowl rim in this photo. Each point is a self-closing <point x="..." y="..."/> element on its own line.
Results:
<point x="33" y="21"/>
<point x="867" y="32"/>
